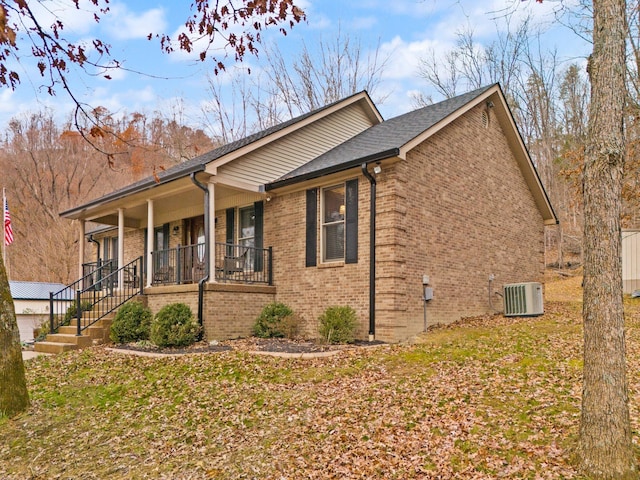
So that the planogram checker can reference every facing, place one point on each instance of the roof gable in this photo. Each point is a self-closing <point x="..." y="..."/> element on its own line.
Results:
<point x="383" y="140"/>
<point x="231" y="151"/>
<point x="396" y="136"/>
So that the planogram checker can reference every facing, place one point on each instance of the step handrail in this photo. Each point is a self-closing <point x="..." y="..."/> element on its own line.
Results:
<point x="95" y="295"/>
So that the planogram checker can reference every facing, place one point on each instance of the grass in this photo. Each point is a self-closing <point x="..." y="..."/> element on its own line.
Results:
<point x="490" y="397"/>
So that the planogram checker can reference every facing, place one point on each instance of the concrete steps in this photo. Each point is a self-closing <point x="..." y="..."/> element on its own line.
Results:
<point x="67" y="339"/>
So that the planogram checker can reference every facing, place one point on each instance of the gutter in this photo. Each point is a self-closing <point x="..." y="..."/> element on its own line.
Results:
<point x="207" y="253"/>
<point x="135" y="188"/>
<point x="372" y="254"/>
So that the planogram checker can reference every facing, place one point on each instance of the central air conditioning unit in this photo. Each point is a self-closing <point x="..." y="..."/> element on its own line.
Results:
<point x="523" y="299"/>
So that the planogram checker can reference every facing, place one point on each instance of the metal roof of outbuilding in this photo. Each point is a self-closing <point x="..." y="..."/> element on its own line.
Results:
<point x="21" y="290"/>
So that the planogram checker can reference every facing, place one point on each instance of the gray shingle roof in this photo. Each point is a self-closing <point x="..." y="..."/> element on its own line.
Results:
<point x="199" y="163"/>
<point x="33" y="290"/>
<point x="379" y="141"/>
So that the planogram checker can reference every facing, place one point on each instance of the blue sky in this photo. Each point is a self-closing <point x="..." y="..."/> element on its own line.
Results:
<point x="405" y="30"/>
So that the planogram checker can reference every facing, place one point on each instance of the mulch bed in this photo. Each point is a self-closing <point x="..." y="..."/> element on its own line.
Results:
<point x="280" y="345"/>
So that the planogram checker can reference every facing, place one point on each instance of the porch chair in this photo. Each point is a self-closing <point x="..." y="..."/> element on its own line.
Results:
<point x="234" y="265"/>
<point x="163" y="275"/>
<point x="198" y="271"/>
<point x="130" y="277"/>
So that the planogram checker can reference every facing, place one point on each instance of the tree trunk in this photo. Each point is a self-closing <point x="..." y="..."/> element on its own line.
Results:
<point x="14" y="397"/>
<point x="605" y="432"/>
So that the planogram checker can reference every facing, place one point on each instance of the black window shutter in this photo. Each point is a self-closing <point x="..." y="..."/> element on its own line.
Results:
<point x="312" y="227"/>
<point x="258" y="211"/>
<point x="351" y="222"/>
<point x="165" y="236"/>
<point x="231" y="221"/>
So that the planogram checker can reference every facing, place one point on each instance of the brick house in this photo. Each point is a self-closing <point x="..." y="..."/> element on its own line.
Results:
<point x="336" y="207"/>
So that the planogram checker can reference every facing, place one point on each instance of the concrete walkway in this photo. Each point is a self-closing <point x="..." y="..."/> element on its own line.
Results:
<point x="29" y="354"/>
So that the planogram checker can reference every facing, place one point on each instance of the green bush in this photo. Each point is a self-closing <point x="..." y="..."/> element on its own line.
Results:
<point x="43" y="330"/>
<point x="270" y="322"/>
<point x="132" y="323"/>
<point x="174" y="326"/>
<point x="290" y="326"/>
<point x="338" y="324"/>
<point x="72" y="310"/>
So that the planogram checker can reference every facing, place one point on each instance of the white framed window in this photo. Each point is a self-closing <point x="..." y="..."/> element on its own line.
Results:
<point x="333" y="210"/>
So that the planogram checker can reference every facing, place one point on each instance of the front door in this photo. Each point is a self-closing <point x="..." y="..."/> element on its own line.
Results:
<point x="163" y="271"/>
<point x="194" y="241"/>
<point x="246" y="234"/>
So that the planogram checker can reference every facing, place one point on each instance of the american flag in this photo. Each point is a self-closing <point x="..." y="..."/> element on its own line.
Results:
<point x="8" y="231"/>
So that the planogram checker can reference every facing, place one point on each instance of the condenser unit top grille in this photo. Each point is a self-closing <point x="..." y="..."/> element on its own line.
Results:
<point x="523" y="299"/>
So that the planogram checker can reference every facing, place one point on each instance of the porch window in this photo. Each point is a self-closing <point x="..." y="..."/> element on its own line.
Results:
<point x="333" y="215"/>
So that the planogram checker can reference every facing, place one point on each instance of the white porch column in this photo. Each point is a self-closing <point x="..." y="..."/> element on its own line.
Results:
<point x="120" y="246"/>
<point x="81" y="240"/>
<point x="212" y="232"/>
<point x="150" y="234"/>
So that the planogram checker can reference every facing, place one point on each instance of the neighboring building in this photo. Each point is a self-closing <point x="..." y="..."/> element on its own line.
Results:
<point x="286" y="215"/>
<point x="31" y="302"/>
<point x="630" y="260"/>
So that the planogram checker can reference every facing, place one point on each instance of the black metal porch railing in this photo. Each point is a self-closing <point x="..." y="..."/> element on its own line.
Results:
<point x="243" y="264"/>
<point x="234" y="263"/>
<point x="93" y="272"/>
<point x="95" y="295"/>
<point x="183" y="264"/>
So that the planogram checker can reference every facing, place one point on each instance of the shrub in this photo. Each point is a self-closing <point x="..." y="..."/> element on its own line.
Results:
<point x="290" y="326"/>
<point x="269" y="323"/>
<point x="43" y="330"/>
<point x="132" y="323"/>
<point x="338" y="324"/>
<point x="174" y="326"/>
<point x="72" y="310"/>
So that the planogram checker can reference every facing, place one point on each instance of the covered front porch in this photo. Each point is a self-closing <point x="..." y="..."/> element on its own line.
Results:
<point x="185" y="264"/>
<point x="186" y="230"/>
<point x="233" y="264"/>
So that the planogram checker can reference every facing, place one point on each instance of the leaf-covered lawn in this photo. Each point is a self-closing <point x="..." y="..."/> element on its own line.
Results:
<point x="492" y="398"/>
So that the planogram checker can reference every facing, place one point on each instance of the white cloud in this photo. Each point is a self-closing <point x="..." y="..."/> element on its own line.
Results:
<point x="78" y="21"/>
<point x="126" y="101"/>
<point x="123" y="24"/>
<point x="7" y="103"/>
<point x="404" y="57"/>
<point x="363" y="23"/>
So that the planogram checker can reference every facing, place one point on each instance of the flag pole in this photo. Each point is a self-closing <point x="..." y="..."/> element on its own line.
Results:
<point x="4" y="242"/>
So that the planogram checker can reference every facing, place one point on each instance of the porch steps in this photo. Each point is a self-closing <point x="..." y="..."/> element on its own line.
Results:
<point x="66" y="338"/>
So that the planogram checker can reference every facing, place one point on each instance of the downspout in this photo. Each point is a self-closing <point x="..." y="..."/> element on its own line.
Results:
<point x="204" y="279"/>
<point x="93" y="240"/>
<point x="372" y="254"/>
<point x="98" y="271"/>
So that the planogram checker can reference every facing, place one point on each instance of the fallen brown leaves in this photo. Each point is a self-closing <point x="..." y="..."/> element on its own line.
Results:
<point x="489" y="398"/>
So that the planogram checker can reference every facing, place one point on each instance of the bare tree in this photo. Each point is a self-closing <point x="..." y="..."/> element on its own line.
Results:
<point x="291" y="85"/>
<point x="606" y="450"/>
<point x="314" y="78"/>
<point x="470" y="65"/>
<point x="48" y="169"/>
